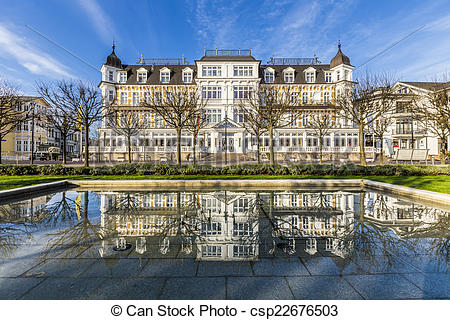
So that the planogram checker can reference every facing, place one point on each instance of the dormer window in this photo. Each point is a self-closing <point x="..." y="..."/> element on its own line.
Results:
<point x="111" y="76"/>
<point x="123" y="77"/>
<point x="269" y="75"/>
<point x="187" y="75"/>
<point x="309" y="77"/>
<point x="289" y="75"/>
<point x="165" y="75"/>
<point x="328" y="77"/>
<point x="141" y="75"/>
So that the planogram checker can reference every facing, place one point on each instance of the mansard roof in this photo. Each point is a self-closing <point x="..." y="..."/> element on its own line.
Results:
<point x="153" y="74"/>
<point x="299" y="74"/>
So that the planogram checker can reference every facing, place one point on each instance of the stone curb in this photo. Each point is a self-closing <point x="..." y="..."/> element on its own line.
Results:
<point x="408" y="192"/>
<point x="204" y="184"/>
<point x="22" y="191"/>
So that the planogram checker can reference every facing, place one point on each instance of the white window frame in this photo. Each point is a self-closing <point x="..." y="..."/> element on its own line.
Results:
<point x="328" y="78"/>
<point x="289" y="76"/>
<point x="326" y="97"/>
<point x="164" y="75"/>
<point x="187" y="77"/>
<point x="269" y="75"/>
<point x="123" y="98"/>
<point x="142" y="77"/>
<point x="136" y="98"/>
<point x="242" y="71"/>
<point x="123" y="77"/>
<point x="110" y="75"/>
<point x="242" y="92"/>
<point x="305" y="97"/>
<point x="212" y="92"/>
<point x="310" y="77"/>
<point x="211" y="71"/>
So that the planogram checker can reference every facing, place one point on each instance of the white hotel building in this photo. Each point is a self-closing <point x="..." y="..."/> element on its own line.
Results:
<point x="224" y="76"/>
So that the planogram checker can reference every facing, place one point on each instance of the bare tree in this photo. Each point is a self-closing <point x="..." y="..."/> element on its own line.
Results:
<point x="176" y="107"/>
<point x="127" y="123"/>
<point x="321" y="123"/>
<point x="197" y="122"/>
<point x="275" y="107"/>
<point x="58" y="116"/>
<point x="434" y="113"/>
<point x="82" y="100"/>
<point x="379" y="128"/>
<point x="10" y="116"/>
<point x="254" y="125"/>
<point x="368" y="100"/>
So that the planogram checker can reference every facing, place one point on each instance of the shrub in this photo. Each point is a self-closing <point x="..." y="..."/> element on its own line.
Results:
<point x="247" y="169"/>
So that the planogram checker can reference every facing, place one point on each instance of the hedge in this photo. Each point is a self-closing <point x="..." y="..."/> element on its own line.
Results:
<point x="168" y="169"/>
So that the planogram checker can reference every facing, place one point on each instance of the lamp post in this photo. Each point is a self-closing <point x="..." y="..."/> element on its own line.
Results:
<point x="32" y="134"/>
<point x="226" y="137"/>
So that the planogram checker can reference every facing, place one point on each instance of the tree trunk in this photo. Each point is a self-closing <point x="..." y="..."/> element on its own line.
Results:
<point x="64" y="160"/>
<point x="362" y="152"/>
<point x="271" y="146"/>
<point x="86" y="145"/>
<point x="320" y="150"/>
<point x="258" y="154"/>
<point x="194" y="142"/>
<point x="178" y="145"/>
<point x="443" y="153"/>
<point x="1" y="137"/>
<point x="129" y="148"/>
<point x="381" y="150"/>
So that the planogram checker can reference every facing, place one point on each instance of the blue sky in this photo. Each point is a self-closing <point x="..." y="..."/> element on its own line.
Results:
<point x="168" y="29"/>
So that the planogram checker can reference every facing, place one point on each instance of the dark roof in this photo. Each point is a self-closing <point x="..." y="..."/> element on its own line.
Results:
<point x="339" y="58"/>
<point x="299" y="75"/>
<point x="428" y="85"/>
<point x="228" y="58"/>
<point x="112" y="60"/>
<point x="153" y="74"/>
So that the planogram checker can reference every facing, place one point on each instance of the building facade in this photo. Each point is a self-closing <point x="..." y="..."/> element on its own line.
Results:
<point x="224" y="78"/>
<point x="36" y="135"/>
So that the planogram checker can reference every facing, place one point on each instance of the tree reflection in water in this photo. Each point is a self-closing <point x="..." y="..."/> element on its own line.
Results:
<point x="369" y="229"/>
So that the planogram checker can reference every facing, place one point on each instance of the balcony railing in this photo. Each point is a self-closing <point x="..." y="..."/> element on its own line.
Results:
<point x="228" y="52"/>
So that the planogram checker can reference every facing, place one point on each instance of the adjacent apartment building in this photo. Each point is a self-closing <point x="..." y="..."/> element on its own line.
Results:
<point x="35" y="135"/>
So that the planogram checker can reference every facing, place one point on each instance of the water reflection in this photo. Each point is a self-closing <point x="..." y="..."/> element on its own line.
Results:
<point x="371" y="230"/>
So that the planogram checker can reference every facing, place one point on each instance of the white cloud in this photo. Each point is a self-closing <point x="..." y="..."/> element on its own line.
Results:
<point x="102" y="23"/>
<point x="29" y="57"/>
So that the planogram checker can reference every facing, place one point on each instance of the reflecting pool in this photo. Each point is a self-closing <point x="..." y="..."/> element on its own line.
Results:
<point x="223" y="244"/>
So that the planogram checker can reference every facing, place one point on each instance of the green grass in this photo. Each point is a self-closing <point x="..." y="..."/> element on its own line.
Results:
<point x="431" y="183"/>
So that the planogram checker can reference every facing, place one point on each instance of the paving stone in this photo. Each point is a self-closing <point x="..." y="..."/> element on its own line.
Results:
<point x="384" y="264"/>
<point x="384" y="286"/>
<point x="321" y="288"/>
<point x="169" y="268"/>
<point x="111" y="268"/>
<point x="14" y="288"/>
<point x="279" y="267"/>
<point x="428" y="263"/>
<point x="129" y="289"/>
<point x="63" y="289"/>
<point x="224" y="268"/>
<point x="15" y="267"/>
<point x="212" y="288"/>
<point x="60" y="268"/>
<point x="331" y="266"/>
<point x="434" y="285"/>
<point x="258" y="288"/>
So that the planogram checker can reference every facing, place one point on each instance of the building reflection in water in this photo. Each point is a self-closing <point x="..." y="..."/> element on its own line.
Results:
<point x="228" y="225"/>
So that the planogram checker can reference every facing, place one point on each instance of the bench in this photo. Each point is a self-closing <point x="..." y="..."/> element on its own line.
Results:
<point x="411" y="155"/>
